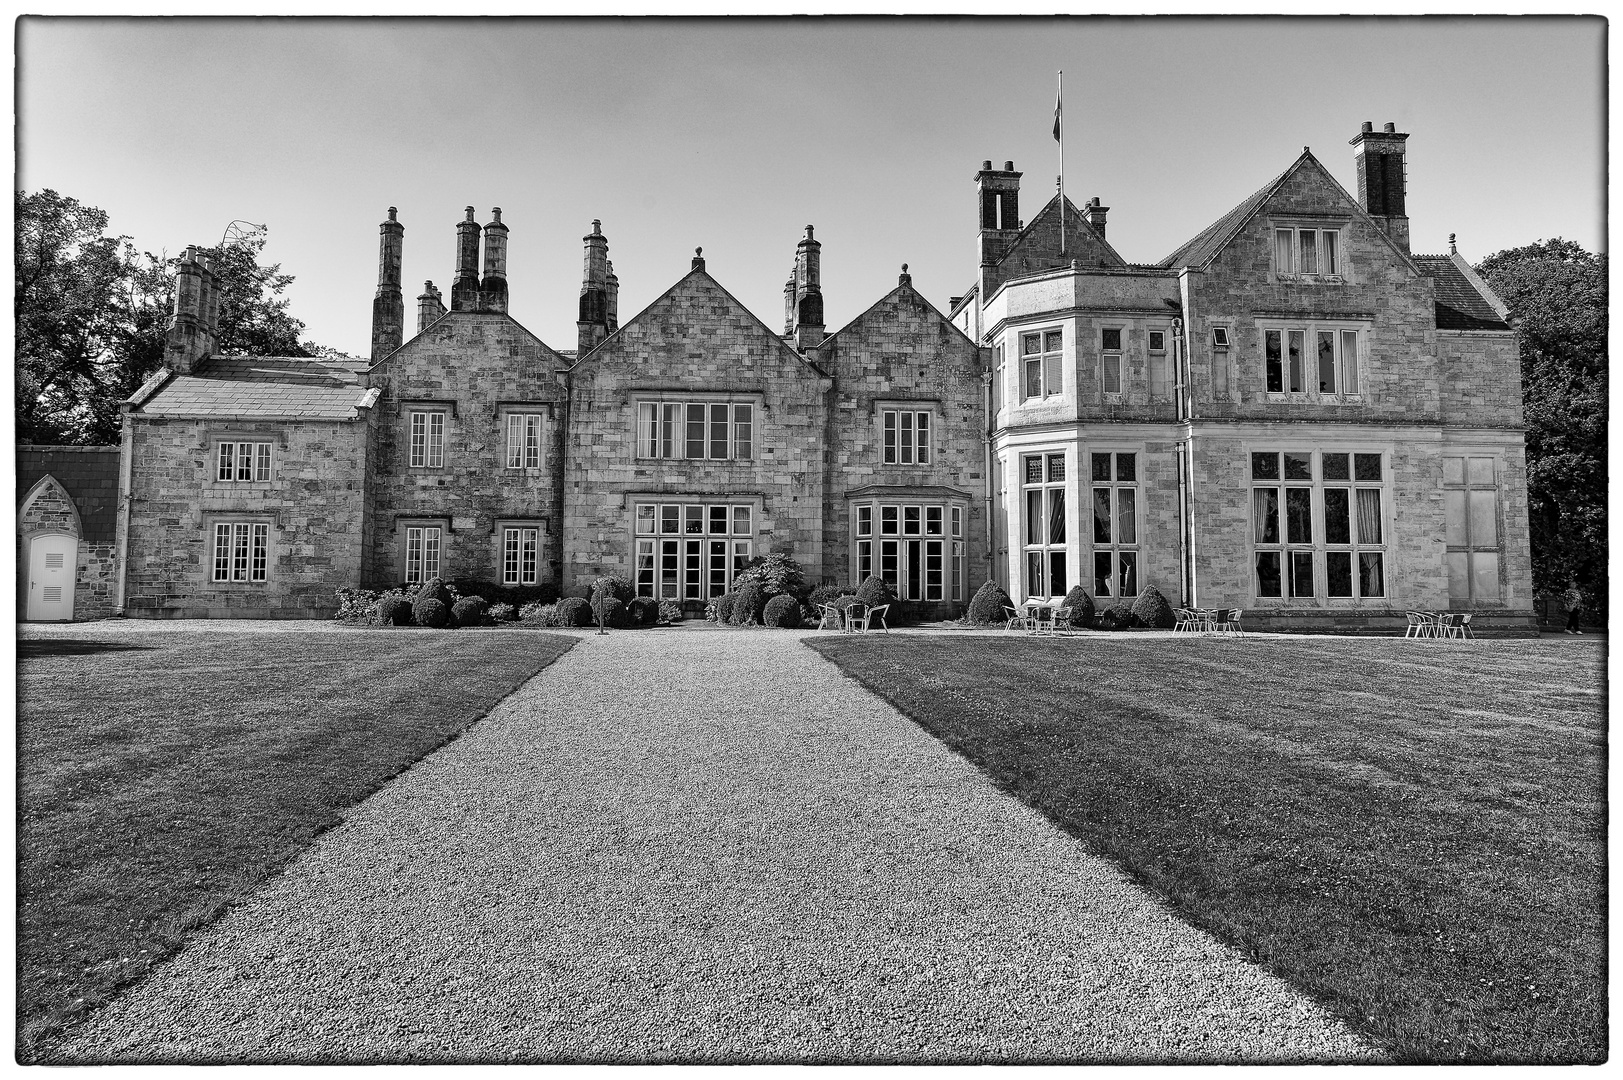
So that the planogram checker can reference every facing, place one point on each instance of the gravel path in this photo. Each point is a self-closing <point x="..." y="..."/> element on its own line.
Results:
<point x="702" y="846"/>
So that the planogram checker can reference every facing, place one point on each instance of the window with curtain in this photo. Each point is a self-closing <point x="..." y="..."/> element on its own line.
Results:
<point x="1043" y="488"/>
<point x="1318" y="524"/>
<point x="1312" y="360"/>
<point x="1041" y="364"/>
<point x="907" y="545"/>
<point x="700" y="430"/>
<point x="1113" y="483"/>
<point x="691" y="550"/>
<point x="1311" y="254"/>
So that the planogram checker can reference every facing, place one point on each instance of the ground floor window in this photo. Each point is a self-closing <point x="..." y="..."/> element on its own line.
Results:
<point x="1043" y="488"/>
<point x="914" y="547"/>
<point x="1114" y="485"/>
<point x="423" y="544"/>
<point x="521" y="548"/>
<point x="1318" y="524"/>
<point x="241" y="550"/>
<point x="1471" y="526"/>
<point x="691" y="551"/>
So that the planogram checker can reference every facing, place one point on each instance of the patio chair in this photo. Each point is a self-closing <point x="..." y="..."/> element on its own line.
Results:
<point x="1183" y="619"/>
<point x="830" y="612"/>
<point x="880" y="613"/>
<point x="1228" y="621"/>
<point x="1454" y="626"/>
<point x="1040" y="618"/>
<point x="856" y="619"/>
<point x="1420" y="625"/>
<point x="1018" y="620"/>
<point x="1465" y="627"/>
<point x="1062" y="622"/>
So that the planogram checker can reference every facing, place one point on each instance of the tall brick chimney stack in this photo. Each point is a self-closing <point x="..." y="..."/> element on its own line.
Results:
<point x="493" y="285"/>
<point x="613" y="319"/>
<point x="187" y="340"/>
<point x="1382" y="183"/>
<point x="808" y="292"/>
<point x="208" y="308"/>
<point x="593" y="325"/>
<point x="999" y="192"/>
<point x="465" y="286"/>
<point x="389" y="305"/>
<point x="1094" y="215"/>
<point x="430" y="306"/>
<point x="789" y="305"/>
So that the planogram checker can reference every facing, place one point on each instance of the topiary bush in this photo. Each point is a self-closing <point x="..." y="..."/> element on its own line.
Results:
<point x="1081" y="605"/>
<point x="986" y="609"/>
<point x="782" y="611"/>
<point x="721" y="608"/>
<point x="875" y="591"/>
<point x="747" y="604"/>
<point x="1151" y="609"/>
<point x="1120" y="617"/>
<point x="394" y="610"/>
<point x="613" y="613"/>
<point x="671" y="611"/>
<point x="434" y="589"/>
<point x="500" y="613"/>
<point x="643" y="611"/>
<point x="469" y="611"/>
<point x="429" y="612"/>
<point x="572" y="611"/>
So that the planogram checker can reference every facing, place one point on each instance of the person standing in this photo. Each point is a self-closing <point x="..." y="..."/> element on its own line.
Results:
<point x="1575" y="607"/>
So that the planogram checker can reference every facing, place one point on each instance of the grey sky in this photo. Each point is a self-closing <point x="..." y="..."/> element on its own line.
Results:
<point x="734" y="134"/>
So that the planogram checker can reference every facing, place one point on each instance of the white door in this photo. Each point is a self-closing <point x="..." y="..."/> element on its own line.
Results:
<point x="51" y="563"/>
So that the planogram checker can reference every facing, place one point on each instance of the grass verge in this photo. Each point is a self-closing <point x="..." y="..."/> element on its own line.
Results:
<point x="163" y="775"/>
<point x="1412" y="832"/>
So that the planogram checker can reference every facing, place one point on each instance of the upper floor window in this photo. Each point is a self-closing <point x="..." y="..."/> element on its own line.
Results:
<point x="1041" y="365"/>
<point x="907" y="437"/>
<point x="1110" y="360"/>
<point x="1307" y="253"/>
<point x="240" y="461"/>
<point x="524" y="440"/>
<point x="427" y="439"/>
<point x="241" y="550"/>
<point x="1158" y="341"/>
<point x="1311" y="360"/>
<point x="713" y="430"/>
<point x="997" y="379"/>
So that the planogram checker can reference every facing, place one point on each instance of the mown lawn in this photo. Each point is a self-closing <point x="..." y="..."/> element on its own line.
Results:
<point x="164" y="774"/>
<point x="1412" y="832"/>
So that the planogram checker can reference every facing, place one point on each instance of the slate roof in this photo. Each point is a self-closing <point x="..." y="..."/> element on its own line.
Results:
<point x="90" y="476"/>
<point x="319" y="388"/>
<point x="1210" y="240"/>
<point x="1459" y="305"/>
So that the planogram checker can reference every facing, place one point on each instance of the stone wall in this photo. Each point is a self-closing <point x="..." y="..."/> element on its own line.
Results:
<point x="475" y="367"/>
<point x="314" y="503"/>
<point x="81" y="501"/>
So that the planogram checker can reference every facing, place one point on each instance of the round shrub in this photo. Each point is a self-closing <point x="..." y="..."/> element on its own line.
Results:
<point x="724" y="607"/>
<point x="671" y="610"/>
<point x="434" y="589"/>
<point x="643" y="611"/>
<point x="782" y="611"/>
<point x="875" y="591"/>
<point x="573" y="611"/>
<point x="1120" y="617"/>
<point x="1081" y="605"/>
<point x="394" y="611"/>
<point x="469" y="611"/>
<point x="1151" y="609"/>
<point x="747" y="604"/>
<point x="986" y="609"/>
<point x="500" y="613"/>
<point x="613" y="612"/>
<point x="430" y="612"/>
<point x="827" y="594"/>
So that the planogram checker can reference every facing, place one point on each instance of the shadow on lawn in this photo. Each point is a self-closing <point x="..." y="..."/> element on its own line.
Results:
<point x="32" y="650"/>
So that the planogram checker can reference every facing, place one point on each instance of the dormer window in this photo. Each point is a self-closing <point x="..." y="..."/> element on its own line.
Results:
<point x="1307" y="253"/>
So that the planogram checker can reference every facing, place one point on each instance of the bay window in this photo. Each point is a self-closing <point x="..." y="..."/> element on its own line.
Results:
<point x="1043" y="488"/>
<point x="906" y="543"/>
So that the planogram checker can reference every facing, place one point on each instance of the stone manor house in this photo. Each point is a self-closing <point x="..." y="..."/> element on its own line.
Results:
<point x="1292" y="414"/>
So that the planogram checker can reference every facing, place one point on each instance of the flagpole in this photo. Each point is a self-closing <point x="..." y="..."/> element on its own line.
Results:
<point x="1059" y="134"/>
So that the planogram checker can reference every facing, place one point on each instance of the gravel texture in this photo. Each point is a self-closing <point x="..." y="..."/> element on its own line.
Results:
<point x="702" y="846"/>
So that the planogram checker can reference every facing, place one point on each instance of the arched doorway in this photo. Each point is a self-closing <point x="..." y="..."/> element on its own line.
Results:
<point x="52" y="561"/>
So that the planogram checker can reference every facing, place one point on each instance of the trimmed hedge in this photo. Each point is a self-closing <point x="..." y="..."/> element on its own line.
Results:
<point x="782" y="611"/>
<point x="986" y="609"/>
<point x="1151" y="609"/>
<point x="394" y="611"/>
<point x="614" y="613"/>
<point x="1120" y="617"/>
<point x="643" y="610"/>
<point x="429" y="612"/>
<point x="1081" y="605"/>
<point x="574" y="611"/>
<point x="434" y="589"/>
<point x="747" y="604"/>
<point x="875" y="591"/>
<point x="469" y="611"/>
<point x="724" y="607"/>
<point x="516" y="595"/>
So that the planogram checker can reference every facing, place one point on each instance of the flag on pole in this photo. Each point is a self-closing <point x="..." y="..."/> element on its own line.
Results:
<point x="1058" y="96"/>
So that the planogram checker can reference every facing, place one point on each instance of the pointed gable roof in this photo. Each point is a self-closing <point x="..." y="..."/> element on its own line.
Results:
<point x="447" y="317"/>
<point x="915" y="295"/>
<point x="1027" y="253"/>
<point x="692" y="283"/>
<point x="1209" y="241"/>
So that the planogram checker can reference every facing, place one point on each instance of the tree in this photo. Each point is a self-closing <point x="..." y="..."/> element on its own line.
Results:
<point x="93" y="311"/>
<point x="1556" y="293"/>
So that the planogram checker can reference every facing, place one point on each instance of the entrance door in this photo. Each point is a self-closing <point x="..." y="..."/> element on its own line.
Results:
<point x="51" y="563"/>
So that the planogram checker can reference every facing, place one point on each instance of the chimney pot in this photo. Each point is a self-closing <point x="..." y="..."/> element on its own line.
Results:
<point x="1452" y="250"/>
<point x="496" y="213"/>
<point x="391" y="213"/>
<point x="1008" y="166"/>
<point x="986" y="166"/>
<point x="597" y="227"/>
<point x="1368" y="127"/>
<point x="470" y="213"/>
<point x="1390" y="129"/>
